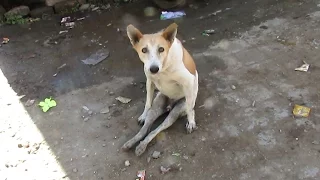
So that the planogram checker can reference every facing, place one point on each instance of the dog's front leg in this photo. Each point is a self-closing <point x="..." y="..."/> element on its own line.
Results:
<point x="190" y="96"/>
<point x="149" y="98"/>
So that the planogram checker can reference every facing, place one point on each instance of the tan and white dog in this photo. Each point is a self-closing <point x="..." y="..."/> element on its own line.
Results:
<point x="170" y="68"/>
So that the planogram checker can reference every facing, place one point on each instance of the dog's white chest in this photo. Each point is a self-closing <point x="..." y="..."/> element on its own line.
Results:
<point x="168" y="87"/>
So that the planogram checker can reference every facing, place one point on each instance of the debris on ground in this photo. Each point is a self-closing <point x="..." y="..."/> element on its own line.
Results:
<point x="176" y="154"/>
<point x="164" y="169"/>
<point x="123" y="99"/>
<point x="253" y="104"/>
<point x="156" y="154"/>
<point x="185" y="157"/>
<point x="85" y="108"/>
<point x="80" y="19"/>
<point x="86" y="119"/>
<point x="66" y="21"/>
<point x="5" y="40"/>
<point x="70" y="25"/>
<point x="30" y="102"/>
<point x="65" y="31"/>
<point x="96" y="8"/>
<point x="59" y="69"/>
<point x="47" y="104"/>
<point x="127" y="163"/>
<point x="171" y="15"/>
<point x="105" y="110"/>
<point x="304" y="67"/>
<point x="97" y="57"/>
<point x="233" y="87"/>
<point x="75" y="170"/>
<point x="141" y="174"/>
<point x="208" y="32"/>
<point x="31" y="20"/>
<point x="301" y="111"/>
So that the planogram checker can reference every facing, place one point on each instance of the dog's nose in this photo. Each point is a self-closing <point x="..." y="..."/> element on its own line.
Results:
<point x="154" y="69"/>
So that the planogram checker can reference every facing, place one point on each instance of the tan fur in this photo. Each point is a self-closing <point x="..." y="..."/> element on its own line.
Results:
<point x="188" y="62"/>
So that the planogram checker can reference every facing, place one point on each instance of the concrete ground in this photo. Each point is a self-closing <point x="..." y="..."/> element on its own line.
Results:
<point x="248" y="87"/>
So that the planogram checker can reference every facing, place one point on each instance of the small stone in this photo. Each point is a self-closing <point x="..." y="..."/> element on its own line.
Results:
<point x="127" y="163"/>
<point x="61" y="138"/>
<point x="148" y="159"/>
<point x="111" y="93"/>
<point x="90" y="112"/>
<point x="233" y="87"/>
<point x="86" y="119"/>
<point x="75" y="170"/>
<point x="20" y="146"/>
<point x="30" y="102"/>
<point x="164" y="170"/>
<point x="185" y="157"/>
<point x="156" y="154"/>
<point x="103" y="145"/>
<point x="105" y="110"/>
<point x="85" y="108"/>
<point x="18" y="11"/>
<point x="84" y="7"/>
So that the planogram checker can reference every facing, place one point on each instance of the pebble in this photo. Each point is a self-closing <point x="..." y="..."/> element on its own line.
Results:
<point x="86" y="119"/>
<point x="156" y="154"/>
<point x="164" y="170"/>
<point x="148" y="159"/>
<point x="105" y="110"/>
<point x="103" y="145"/>
<point x="85" y="108"/>
<point x="75" y="170"/>
<point x="185" y="157"/>
<point x="111" y="93"/>
<point x="127" y="163"/>
<point x="233" y="87"/>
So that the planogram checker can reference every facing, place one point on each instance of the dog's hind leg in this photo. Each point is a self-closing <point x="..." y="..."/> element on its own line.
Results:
<point x="177" y="111"/>
<point x="156" y="110"/>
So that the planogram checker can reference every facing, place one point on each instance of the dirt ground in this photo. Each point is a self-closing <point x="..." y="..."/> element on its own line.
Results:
<point x="247" y="90"/>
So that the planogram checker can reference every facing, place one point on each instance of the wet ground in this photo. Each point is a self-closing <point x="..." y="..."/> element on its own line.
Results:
<point x="247" y="90"/>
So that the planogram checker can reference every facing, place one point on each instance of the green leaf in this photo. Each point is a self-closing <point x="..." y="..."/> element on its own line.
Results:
<point x="45" y="108"/>
<point x="52" y="103"/>
<point x="47" y="100"/>
<point x="42" y="104"/>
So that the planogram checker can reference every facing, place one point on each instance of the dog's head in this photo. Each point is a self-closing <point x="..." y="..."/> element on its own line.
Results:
<point x="152" y="49"/>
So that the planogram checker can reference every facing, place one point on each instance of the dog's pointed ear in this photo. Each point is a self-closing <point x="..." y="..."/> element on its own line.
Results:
<point x="134" y="34"/>
<point x="170" y="32"/>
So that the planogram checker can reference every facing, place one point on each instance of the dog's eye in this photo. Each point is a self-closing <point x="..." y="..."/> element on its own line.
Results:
<point x="144" y="50"/>
<point x="161" y="49"/>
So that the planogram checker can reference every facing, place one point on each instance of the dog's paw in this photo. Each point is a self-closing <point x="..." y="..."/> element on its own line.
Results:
<point x="142" y="118"/>
<point x="191" y="126"/>
<point x="127" y="146"/>
<point x="141" y="148"/>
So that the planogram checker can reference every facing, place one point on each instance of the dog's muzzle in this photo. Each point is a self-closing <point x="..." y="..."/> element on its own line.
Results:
<point x="154" y="69"/>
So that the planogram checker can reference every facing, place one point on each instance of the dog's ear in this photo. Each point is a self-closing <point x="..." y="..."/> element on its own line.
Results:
<point x="170" y="32"/>
<point x="134" y="34"/>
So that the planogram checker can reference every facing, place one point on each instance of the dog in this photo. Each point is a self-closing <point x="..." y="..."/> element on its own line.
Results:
<point x="171" y="70"/>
